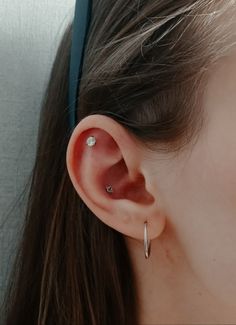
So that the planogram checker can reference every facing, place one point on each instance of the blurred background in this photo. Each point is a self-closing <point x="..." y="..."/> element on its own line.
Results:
<point x="30" y="33"/>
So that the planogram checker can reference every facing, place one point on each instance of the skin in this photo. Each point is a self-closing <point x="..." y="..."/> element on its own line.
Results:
<point x="189" y="201"/>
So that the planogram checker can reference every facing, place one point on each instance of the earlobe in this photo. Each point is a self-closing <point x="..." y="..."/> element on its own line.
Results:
<point x="103" y="165"/>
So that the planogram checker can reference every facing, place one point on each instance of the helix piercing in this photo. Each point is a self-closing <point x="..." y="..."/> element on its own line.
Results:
<point x="91" y="141"/>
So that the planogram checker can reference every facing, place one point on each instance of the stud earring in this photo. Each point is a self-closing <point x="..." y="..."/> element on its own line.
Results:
<point x="146" y="241"/>
<point x="109" y="189"/>
<point x="91" y="141"/>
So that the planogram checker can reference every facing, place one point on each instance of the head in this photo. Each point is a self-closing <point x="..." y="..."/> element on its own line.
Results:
<point x="156" y="95"/>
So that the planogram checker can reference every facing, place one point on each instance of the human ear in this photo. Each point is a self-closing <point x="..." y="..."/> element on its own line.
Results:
<point x="114" y="160"/>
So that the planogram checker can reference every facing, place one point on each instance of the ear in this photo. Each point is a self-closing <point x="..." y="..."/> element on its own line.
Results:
<point x="117" y="159"/>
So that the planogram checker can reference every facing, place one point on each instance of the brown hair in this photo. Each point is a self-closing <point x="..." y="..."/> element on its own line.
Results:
<point x="145" y="66"/>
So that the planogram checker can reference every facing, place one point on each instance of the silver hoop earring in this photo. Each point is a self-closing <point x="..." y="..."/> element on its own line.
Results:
<point x="146" y="241"/>
<point x="91" y="141"/>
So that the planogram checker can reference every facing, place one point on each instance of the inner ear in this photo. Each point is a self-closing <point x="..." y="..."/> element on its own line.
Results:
<point x="123" y="187"/>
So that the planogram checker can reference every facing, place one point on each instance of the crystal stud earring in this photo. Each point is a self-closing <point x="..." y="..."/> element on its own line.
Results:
<point x="91" y="141"/>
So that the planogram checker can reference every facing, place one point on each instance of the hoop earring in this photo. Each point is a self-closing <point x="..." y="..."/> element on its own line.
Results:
<point x="147" y="242"/>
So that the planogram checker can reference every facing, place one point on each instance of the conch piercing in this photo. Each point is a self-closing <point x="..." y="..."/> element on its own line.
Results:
<point x="146" y="242"/>
<point x="109" y="189"/>
<point x="91" y="141"/>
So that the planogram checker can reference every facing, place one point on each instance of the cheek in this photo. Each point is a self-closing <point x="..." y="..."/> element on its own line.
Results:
<point x="203" y="208"/>
<point x="202" y="189"/>
<point x="219" y="140"/>
<point x="220" y="153"/>
<point x="206" y="219"/>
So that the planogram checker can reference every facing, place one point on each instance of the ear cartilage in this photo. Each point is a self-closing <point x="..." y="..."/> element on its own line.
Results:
<point x="91" y="142"/>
